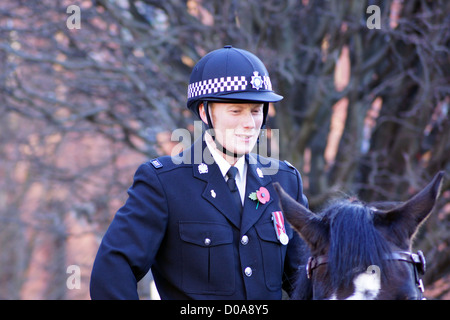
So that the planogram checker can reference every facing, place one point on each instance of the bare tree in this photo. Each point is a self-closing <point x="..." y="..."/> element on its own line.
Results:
<point x="365" y="110"/>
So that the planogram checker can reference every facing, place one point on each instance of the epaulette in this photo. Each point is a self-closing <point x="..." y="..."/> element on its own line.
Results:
<point x="156" y="163"/>
<point x="289" y="164"/>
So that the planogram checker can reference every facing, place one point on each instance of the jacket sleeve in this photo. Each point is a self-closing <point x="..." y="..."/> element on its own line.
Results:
<point x="131" y="242"/>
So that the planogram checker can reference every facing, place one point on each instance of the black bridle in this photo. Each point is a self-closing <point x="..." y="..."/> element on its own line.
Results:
<point x="416" y="259"/>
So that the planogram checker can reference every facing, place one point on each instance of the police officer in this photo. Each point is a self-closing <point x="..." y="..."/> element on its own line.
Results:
<point x="208" y="222"/>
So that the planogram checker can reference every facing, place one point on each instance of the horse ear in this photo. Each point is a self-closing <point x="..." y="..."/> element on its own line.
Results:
<point x="305" y="222"/>
<point x="409" y="216"/>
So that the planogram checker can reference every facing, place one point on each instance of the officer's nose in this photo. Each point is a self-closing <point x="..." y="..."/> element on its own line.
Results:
<point x="248" y="121"/>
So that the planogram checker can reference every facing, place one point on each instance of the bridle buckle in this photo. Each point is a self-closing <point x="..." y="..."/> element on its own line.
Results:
<point x="422" y="264"/>
<point x="308" y="267"/>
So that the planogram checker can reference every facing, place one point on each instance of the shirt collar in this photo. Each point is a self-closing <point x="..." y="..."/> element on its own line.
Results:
<point x="224" y="166"/>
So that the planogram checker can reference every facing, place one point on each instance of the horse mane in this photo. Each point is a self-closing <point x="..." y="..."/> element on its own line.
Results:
<point x="355" y="243"/>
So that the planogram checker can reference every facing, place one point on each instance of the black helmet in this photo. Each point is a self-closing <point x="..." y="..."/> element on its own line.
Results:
<point x="230" y="74"/>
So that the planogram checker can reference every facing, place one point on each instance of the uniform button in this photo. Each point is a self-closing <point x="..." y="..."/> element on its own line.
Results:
<point x="207" y="241"/>
<point x="244" y="240"/>
<point x="248" y="271"/>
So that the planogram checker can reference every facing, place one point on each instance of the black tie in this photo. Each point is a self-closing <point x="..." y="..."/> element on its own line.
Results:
<point x="231" y="174"/>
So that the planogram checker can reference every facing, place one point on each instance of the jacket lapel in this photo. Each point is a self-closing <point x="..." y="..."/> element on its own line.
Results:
<point x="255" y="180"/>
<point x="216" y="191"/>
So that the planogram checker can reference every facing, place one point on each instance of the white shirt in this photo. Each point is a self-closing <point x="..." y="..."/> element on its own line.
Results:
<point x="224" y="166"/>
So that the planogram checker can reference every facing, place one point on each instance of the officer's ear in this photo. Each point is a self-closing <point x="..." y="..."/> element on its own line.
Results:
<point x="202" y="113"/>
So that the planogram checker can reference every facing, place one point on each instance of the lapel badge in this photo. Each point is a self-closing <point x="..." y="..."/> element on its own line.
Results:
<point x="280" y="230"/>
<point x="213" y="193"/>
<point x="202" y="168"/>
<point x="259" y="172"/>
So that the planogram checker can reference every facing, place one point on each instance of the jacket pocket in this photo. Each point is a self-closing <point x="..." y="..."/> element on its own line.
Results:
<point x="207" y="257"/>
<point x="273" y="254"/>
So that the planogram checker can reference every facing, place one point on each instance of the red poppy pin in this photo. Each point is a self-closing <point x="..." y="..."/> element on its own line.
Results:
<point x="262" y="196"/>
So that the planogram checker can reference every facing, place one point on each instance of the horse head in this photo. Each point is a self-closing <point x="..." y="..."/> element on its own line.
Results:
<point x="363" y="251"/>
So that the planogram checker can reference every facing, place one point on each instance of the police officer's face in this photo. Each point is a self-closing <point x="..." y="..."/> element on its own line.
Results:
<point x="236" y="125"/>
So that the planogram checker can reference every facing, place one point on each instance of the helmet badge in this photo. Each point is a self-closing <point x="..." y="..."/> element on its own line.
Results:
<point x="257" y="81"/>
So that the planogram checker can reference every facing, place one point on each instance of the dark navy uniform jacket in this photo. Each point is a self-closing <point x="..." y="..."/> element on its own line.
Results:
<point x="173" y="208"/>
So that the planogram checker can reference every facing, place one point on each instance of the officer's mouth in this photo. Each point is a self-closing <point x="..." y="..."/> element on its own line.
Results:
<point x="244" y="138"/>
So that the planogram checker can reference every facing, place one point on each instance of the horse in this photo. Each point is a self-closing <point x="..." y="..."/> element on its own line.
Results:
<point x="361" y="251"/>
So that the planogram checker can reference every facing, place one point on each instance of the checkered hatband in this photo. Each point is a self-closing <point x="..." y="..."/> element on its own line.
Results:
<point x="267" y="83"/>
<point x="216" y="85"/>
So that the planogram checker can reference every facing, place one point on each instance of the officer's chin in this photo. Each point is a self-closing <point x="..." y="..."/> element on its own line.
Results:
<point x="243" y="147"/>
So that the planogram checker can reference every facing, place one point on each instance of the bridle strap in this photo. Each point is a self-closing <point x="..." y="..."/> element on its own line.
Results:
<point x="313" y="263"/>
<point x="416" y="259"/>
<point x="419" y="265"/>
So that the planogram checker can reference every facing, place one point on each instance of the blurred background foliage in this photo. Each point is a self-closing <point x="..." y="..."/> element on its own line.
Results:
<point x="365" y="113"/>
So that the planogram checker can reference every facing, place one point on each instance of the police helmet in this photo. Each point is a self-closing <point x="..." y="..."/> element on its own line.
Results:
<point x="230" y="74"/>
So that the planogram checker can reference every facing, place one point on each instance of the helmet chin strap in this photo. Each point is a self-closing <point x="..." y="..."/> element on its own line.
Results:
<point x="219" y="146"/>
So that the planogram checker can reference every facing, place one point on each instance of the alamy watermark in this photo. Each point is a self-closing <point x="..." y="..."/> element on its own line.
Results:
<point x="262" y="148"/>
<point x="74" y="20"/>
<point x="374" y="270"/>
<point x="74" y="279"/>
<point x="374" y="20"/>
